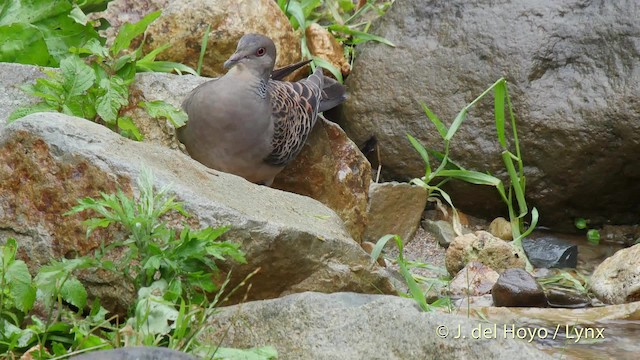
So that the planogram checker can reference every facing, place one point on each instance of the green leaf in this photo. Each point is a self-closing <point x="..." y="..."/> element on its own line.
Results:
<point x="78" y="15"/>
<point x="20" y="286"/>
<point x="164" y="66"/>
<point x="62" y="33"/>
<point x="471" y="176"/>
<point x="160" y="109"/>
<point x="318" y="61"/>
<point x="456" y="124"/>
<point x="515" y="182"/>
<point x="423" y="154"/>
<point x="92" y="47"/>
<point x="31" y="11"/>
<point x="27" y="110"/>
<point x="593" y="236"/>
<point x="296" y="15"/>
<point x="129" y="129"/>
<point x="73" y="292"/>
<point x="359" y="36"/>
<point x="115" y="95"/>
<point x="78" y="76"/>
<point x="442" y="129"/>
<point x="128" y="32"/>
<point x="499" y="95"/>
<point x="23" y="44"/>
<point x="581" y="223"/>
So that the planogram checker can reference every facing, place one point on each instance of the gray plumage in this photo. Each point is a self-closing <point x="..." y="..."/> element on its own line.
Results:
<point x="250" y="123"/>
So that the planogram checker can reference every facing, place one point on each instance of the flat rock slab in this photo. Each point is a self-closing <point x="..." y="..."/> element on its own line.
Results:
<point x="49" y="160"/>
<point x="357" y="326"/>
<point x="136" y="353"/>
<point x="551" y="252"/>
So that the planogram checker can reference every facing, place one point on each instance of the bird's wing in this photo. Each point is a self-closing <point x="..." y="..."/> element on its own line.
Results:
<point x="294" y="109"/>
<point x="281" y="73"/>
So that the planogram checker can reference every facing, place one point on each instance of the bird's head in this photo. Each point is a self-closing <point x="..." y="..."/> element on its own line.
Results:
<point x="256" y="52"/>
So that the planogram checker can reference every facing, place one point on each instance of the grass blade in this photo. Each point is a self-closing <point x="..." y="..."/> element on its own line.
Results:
<point x="203" y="49"/>
<point x="456" y="124"/>
<point x="423" y="154"/>
<point x="499" y="94"/>
<point x="515" y="182"/>
<point x="473" y="177"/>
<point x="442" y="129"/>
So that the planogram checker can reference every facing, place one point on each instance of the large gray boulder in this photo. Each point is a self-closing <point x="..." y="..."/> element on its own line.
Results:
<point x="50" y="160"/>
<point x="356" y="326"/>
<point x="573" y="69"/>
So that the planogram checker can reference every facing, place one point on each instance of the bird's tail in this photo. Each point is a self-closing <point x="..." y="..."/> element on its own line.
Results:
<point x="333" y="94"/>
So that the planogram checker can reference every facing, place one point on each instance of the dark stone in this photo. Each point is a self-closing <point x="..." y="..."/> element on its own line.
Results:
<point x="136" y="353"/>
<point x="551" y="252"/>
<point x="518" y="288"/>
<point x="573" y="68"/>
<point x="567" y="299"/>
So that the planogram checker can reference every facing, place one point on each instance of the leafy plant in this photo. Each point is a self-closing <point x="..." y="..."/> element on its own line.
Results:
<point x="171" y="273"/>
<point x="512" y="195"/>
<point x="99" y="90"/>
<point x="186" y="261"/>
<point x="341" y="16"/>
<point x="41" y="32"/>
<point x="414" y="290"/>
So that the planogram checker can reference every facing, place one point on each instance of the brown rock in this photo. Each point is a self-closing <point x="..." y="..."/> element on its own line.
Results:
<point x="394" y="208"/>
<point x="501" y="228"/>
<point x="617" y="279"/>
<point x="332" y="170"/>
<point x="474" y="279"/>
<point x="48" y="160"/>
<point x="516" y="287"/>
<point x="183" y="24"/>
<point x="322" y="44"/>
<point x="484" y="248"/>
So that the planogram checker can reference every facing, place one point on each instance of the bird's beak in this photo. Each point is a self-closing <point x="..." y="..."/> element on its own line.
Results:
<point x="233" y="60"/>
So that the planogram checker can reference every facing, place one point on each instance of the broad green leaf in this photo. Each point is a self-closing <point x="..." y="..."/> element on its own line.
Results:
<point x="78" y="76"/>
<point x="128" y="32"/>
<point x="20" y="286"/>
<point x="23" y="44"/>
<point x="115" y="95"/>
<point x="129" y="129"/>
<point x="161" y="109"/>
<point x="78" y="15"/>
<point x="442" y="129"/>
<point x="31" y="11"/>
<point x="73" y="292"/>
<point x="62" y="33"/>
<point x="499" y="94"/>
<point x="92" y="47"/>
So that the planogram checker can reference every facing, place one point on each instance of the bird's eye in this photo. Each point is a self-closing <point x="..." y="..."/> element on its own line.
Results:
<point x="261" y="51"/>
